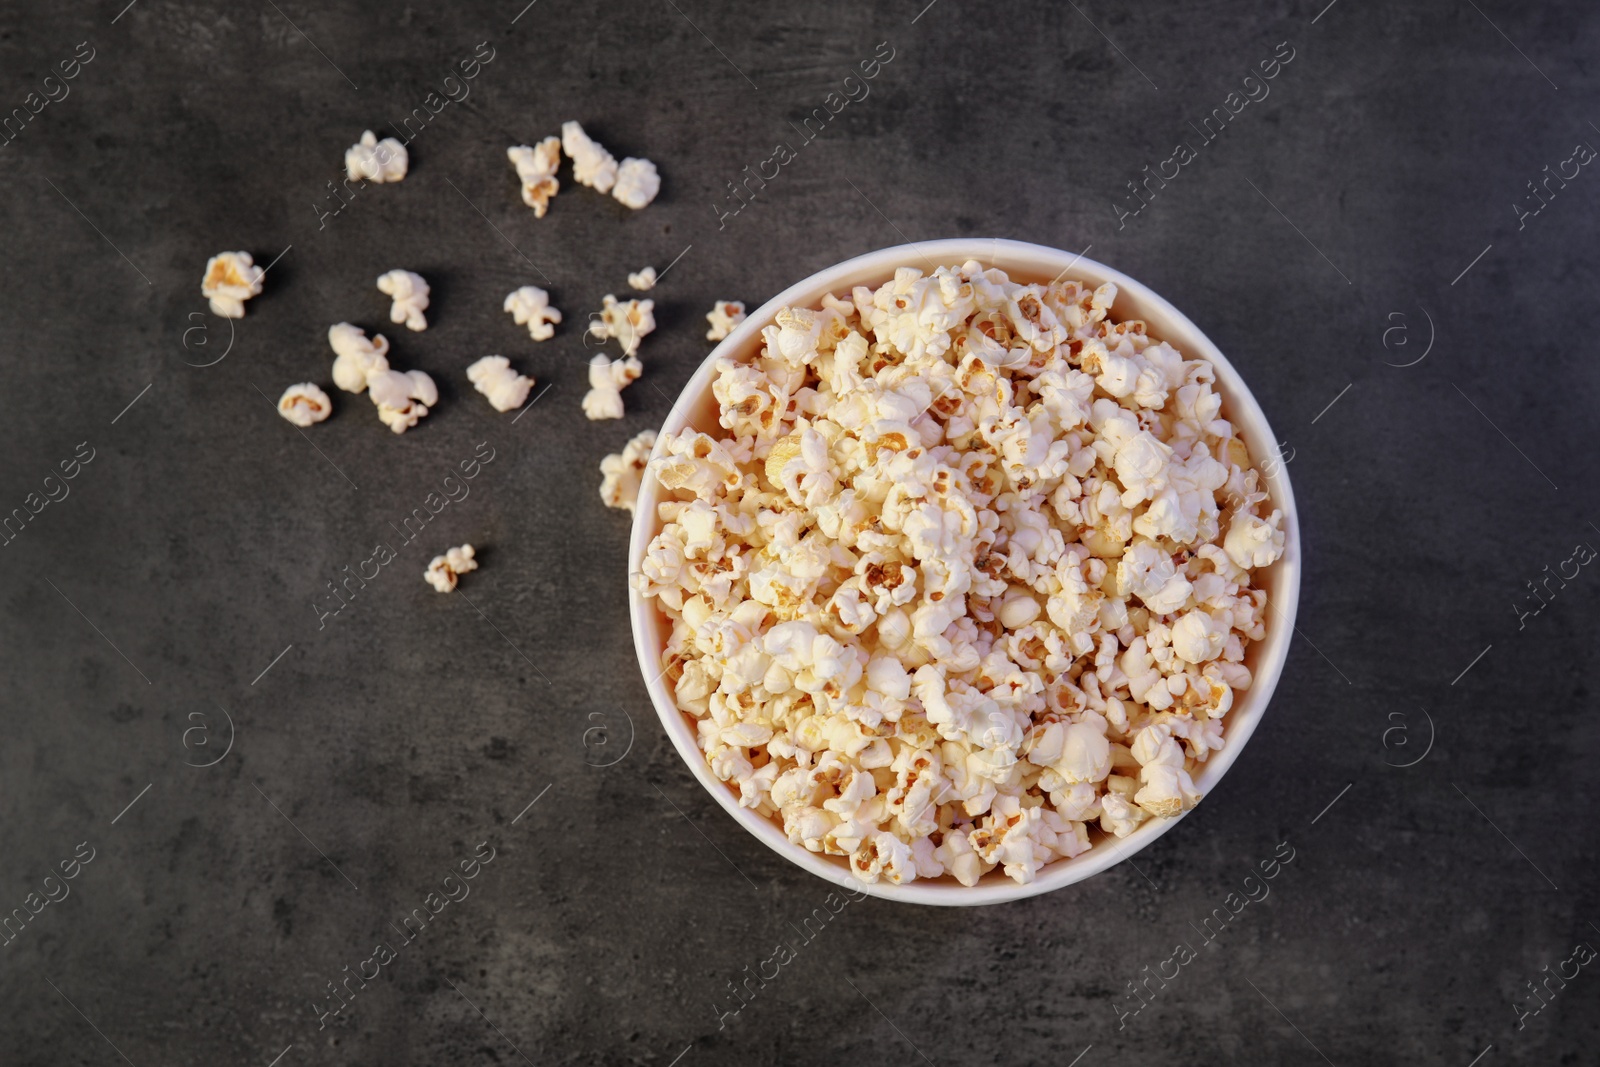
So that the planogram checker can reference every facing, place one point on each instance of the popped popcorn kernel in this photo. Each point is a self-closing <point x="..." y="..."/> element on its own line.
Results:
<point x="637" y="183"/>
<point x="410" y="295"/>
<point x="304" y="404"/>
<point x="621" y="472"/>
<point x="627" y="320"/>
<point x="445" y="571"/>
<point x="530" y="306"/>
<point x="402" y="398"/>
<point x="964" y="582"/>
<point x="644" y="280"/>
<point x="355" y="356"/>
<point x="376" y="161"/>
<point x="607" y="379"/>
<point x="493" y="377"/>
<point x="536" y="168"/>
<point x="231" y="278"/>
<point x="723" y="317"/>
<point x="592" y="165"/>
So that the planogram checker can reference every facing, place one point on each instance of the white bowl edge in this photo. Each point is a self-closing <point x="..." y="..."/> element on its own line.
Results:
<point x="1026" y="262"/>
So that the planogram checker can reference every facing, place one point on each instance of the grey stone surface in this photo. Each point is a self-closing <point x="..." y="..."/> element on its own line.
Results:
<point x="380" y="749"/>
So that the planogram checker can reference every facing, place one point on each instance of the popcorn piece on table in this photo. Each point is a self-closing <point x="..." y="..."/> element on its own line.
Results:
<point x="493" y="377"/>
<point x="607" y="379"/>
<point x="628" y="321"/>
<point x="536" y="168"/>
<point x="643" y="281"/>
<point x="402" y="399"/>
<point x="375" y="160"/>
<point x="622" y="472"/>
<point x="355" y="357"/>
<point x="304" y="404"/>
<point x="970" y="561"/>
<point x="724" y="316"/>
<point x="530" y="307"/>
<point x="637" y="183"/>
<point x="231" y="278"/>
<point x="591" y="165"/>
<point x="410" y="295"/>
<point x="444" y="571"/>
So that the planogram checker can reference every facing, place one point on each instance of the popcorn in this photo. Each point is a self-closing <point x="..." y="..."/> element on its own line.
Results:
<point x="304" y="404"/>
<point x="1078" y="752"/>
<point x="955" y="854"/>
<point x="1120" y="816"/>
<point x="637" y="183"/>
<point x="402" y="399"/>
<point x="1254" y="542"/>
<point x="964" y="586"/>
<point x="1149" y="573"/>
<point x="1018" y="610"/>
<point x="621" y="473"/>
<point x="493" y="377"/>
<point x="723" y="317"/>
<point x="606" y="382"/>
<point x="530" y="307"/>
<point x="644" y="280"/>
<point x="410" y="295"/>
<point x="1168" y="790"/>
<point x="355" y="357"/>
<point x="536" y="169"/>
<point x="231" y="278"/>
<point x="1198" y="638"/>
<point x="375" y="160"/>
<point x="883" y="855"/>
<point x="444" y="571"/>
<point x="628" y="321"/>
<point x="591" y="165"/>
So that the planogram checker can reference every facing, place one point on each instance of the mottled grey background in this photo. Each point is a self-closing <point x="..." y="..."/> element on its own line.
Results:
<point x="414" y="726"/>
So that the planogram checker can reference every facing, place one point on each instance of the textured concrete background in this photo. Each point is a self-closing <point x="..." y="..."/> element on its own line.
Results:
<point x="1359" y="213"/>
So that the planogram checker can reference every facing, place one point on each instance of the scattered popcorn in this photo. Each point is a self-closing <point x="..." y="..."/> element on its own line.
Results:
<point x="355" y="357"/>
<point x="606" y="382"/>
<point x="627" y="321"/>
<point x="644" y="280"/>
<point x="493" y="377"/>
<point x="444" y="571"/>
<point x="402" y="399"/>
<point x="410" y="295"/>
<point x="231" y="278"/>
<point x="637" y="183"/>
<point x="304" y="404"/>
<point x="530" y="307"/>
<point x="723" y="317"/>
<point x="963" y="586"/>
<point x="375" y="160"/>
<point x="536" y="168"/>
<point x="591" y="165"/>
<point x="621" y="472"/>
